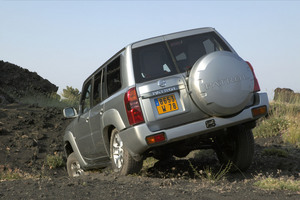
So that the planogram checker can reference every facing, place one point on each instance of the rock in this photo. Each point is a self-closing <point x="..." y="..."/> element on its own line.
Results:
<point x="285" y="95"/>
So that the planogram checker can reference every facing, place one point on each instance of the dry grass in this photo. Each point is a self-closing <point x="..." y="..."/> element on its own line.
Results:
<point x="283" y="120"/>
<point x="149" y="162"/>
<point x="7" y="173"/>
<point x="281" y="183"/>
<point x="275" y="152"/>
<point x="211" y="175"/>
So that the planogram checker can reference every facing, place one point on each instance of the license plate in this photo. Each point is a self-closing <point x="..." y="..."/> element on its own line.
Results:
<point x="166" y="104"/>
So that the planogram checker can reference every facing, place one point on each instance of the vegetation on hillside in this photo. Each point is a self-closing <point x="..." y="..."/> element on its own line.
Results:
<point x="282" y="121"/>
<point x="69" y="98"/>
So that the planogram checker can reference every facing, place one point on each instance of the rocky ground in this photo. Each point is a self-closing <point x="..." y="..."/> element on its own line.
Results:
<point x="29" y="133"/>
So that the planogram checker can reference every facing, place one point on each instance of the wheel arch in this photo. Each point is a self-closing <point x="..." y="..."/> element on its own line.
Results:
<point x="106" y="137"/>
<point x="70" y="147"/>
<point x="111" y="120"/>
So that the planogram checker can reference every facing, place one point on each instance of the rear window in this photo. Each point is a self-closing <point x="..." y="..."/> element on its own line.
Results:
<point x="113" y="77"/>
<point x="152" y="62"/>
<point x="155" y="61"/>
<point x="188" y="50"/>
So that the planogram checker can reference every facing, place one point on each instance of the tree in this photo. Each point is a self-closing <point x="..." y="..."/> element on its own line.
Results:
<point x="72" y="95"/>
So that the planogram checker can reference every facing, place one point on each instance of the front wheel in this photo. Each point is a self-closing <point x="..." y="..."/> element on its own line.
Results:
<point x="73" y="167"/>
<point x="236" y="146"/>
<point x="122" y="161"/>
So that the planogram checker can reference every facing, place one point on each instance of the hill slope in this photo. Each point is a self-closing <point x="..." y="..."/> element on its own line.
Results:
<point x="16" y="83"/>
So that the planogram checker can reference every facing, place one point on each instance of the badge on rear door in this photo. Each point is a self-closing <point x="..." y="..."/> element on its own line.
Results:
<point x="162" y="83"/>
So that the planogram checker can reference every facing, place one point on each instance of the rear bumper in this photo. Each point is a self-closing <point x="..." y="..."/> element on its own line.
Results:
<point x="134" y="138"/>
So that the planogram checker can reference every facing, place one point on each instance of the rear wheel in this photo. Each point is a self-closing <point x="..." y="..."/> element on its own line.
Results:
<point x="122" y="161"/>
<point x="236" y="146"/>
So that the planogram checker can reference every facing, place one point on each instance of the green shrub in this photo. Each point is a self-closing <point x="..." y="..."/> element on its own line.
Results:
<point x="70" y="99"/>
<point x="54" y="161"/>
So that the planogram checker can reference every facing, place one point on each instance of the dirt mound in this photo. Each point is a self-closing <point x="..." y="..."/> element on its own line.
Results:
<point x="28" y="134"/>
<point x="16" y="82"/>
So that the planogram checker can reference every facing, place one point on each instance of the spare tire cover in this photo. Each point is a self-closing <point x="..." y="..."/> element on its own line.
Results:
<point x="221" y="83"/>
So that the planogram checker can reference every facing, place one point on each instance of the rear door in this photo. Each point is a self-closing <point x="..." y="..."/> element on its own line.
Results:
<point x="82" y="130"/>
<point x="106" y="82"/>
<point x="161" y="71"/>
<point x="161" y="87"/>
<point x="96" y="116"/>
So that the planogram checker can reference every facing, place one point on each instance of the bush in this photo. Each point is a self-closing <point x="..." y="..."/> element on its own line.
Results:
<point x="70" y="99"/>
<point x="71" y="96"/>
<point x="55" y="161"/>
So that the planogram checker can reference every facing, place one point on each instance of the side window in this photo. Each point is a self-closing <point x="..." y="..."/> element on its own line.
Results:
<point x="86" y="97"/>
<point x="97" y="88"/>
<point x="103" y="81"/>
<point x="113" y="76"/>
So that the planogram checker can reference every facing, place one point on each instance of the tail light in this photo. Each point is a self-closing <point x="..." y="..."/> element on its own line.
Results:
<point x="256" y="85"/>
<point x="133" y="108"/>
<point x="260" y="111"/>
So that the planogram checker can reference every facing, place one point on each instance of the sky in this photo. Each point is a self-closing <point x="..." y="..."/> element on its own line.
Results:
<point x="65" y="41"/>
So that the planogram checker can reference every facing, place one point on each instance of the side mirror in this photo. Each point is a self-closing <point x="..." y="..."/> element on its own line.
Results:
<point x="70" y="112"/>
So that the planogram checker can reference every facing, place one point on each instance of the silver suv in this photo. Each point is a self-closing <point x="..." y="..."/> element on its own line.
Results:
<point x="166" y="96"/>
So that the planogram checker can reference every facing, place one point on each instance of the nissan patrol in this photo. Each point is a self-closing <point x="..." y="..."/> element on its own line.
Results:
<point x="165" y="96"/>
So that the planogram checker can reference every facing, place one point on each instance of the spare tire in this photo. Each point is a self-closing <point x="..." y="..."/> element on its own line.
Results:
<point x="221" y="83"/>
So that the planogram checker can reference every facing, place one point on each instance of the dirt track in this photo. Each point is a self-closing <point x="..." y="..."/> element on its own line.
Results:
<point x="29" y="133"/>
<point x="102" y="186"/>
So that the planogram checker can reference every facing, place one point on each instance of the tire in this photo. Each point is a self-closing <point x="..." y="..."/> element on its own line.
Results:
<point x="236" y="146"/>
<point x="221" y="83"/>
<point x="73" y="167"/>
<point x="122" y="161"/>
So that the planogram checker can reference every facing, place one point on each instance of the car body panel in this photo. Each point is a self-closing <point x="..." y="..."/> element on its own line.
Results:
<point x="134" y="137"/>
